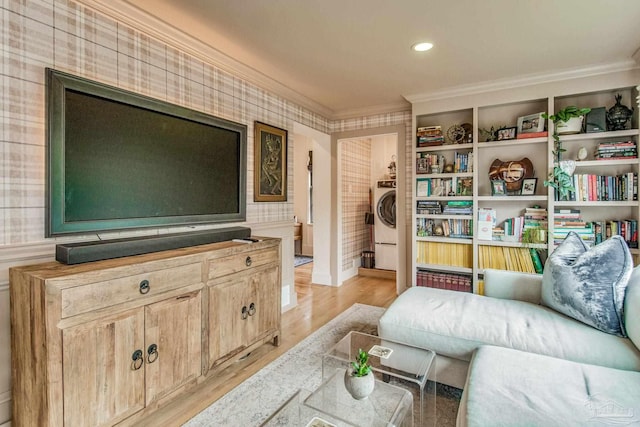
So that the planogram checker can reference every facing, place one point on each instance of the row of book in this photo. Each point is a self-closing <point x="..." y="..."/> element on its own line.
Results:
<point x="452" y="227"/>
<point x="454" y="186"/>
<point x="429" y="136"/>
<point x="616" y="150"/>
<point x="444" y="253"/>
<point x="527" y="260"/>
<point x="450" y="281"/>
<point x="463" y="162"/>
<point x="425" y="162"/>
<point x="434" y="163"/>
<point x="591" y="187"/>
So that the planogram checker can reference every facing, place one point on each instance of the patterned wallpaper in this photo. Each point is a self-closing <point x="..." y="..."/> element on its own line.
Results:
<point x="70" y="37"/>
<point x="355" y="160"/>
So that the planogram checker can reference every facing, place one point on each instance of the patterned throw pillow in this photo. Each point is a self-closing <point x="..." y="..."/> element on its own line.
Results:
<point x="588" y="284"/>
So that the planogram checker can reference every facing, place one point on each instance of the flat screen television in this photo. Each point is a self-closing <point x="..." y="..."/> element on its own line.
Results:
<point x="118" y="160"/>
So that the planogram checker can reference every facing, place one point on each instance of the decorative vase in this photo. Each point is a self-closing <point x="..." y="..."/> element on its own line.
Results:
<point x="573" y="125"/>
<point x="619" y="115"/>
<point x="359" y="387"/>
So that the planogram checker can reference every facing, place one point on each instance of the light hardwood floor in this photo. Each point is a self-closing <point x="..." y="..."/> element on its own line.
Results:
<point x="316" y="306"/>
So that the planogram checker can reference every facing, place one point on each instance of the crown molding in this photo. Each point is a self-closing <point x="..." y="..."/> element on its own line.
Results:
<point x="350" y="113"/>
<point x="529" y="80"/>
<point x="124" y="12"/>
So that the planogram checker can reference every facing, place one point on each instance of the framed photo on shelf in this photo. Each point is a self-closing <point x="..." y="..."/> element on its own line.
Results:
<point x="529" y="186"/>
<point x="531" y="123"/>
<point x="498" y="188"/>
<point x="270" y="167"/>
<point x="506" y="133"/>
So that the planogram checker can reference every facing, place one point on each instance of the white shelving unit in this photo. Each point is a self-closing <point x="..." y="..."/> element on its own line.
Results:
<point x="502" y="108"/>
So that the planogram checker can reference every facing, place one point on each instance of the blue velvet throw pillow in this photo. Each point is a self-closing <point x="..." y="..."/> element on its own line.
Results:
<point x="588" y="284"/>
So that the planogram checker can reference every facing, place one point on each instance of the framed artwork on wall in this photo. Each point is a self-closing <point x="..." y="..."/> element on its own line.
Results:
<point x="270" y="166"/>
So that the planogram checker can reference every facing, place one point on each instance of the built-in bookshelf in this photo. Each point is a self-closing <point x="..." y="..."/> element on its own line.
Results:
<point x="454" y="172"/>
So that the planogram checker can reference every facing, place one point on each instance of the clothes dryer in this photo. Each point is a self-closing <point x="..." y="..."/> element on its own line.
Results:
<point x="384" y="229"/>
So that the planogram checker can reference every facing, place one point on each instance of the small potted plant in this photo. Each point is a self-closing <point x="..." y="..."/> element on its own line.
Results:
<point x="358" y="379"/>
<point x="566" y="121"/>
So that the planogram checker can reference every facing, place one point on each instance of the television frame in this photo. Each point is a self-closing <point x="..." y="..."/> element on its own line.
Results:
<point x="57" y="83"/>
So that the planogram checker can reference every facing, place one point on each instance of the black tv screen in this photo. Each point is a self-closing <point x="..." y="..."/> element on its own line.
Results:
<point x="119" y="160"/>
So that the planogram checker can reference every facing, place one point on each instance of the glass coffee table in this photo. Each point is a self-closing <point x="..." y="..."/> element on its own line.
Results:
<point x="331" y="405"/>
<point x="400" y="364"/>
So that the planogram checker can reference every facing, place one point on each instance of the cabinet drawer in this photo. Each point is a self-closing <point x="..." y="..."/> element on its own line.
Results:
<point x="93" y="296"/>
<point x="235" y="263"/>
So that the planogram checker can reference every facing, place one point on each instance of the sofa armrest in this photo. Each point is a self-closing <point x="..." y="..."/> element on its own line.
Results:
<point x="513" y="285"/>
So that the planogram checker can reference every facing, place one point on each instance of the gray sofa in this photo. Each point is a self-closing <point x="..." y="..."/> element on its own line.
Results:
<point x="521" y="362"/>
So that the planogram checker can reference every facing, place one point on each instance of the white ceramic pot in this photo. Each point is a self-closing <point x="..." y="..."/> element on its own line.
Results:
<point x="359" y="387"/>
<point x="573" y="125"/>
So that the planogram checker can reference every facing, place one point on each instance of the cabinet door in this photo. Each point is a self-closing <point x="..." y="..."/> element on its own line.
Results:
<point x="173" y="341"/>
<point x="228" y="316"/>
<point x="102" y="383"/>
<point x="264" y="315"/>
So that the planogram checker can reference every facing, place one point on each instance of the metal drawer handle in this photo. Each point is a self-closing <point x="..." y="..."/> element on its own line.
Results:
<point x="138" y="360"/>
<point x="245" y="312"/>
<point x="152" y="353"/>
<point x="252" y="309"/>
<point x="248" y="261"/>
<point x="145" y="287"/>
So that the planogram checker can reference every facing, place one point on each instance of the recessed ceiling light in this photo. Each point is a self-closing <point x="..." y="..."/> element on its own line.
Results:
<point x="422" y="47"/>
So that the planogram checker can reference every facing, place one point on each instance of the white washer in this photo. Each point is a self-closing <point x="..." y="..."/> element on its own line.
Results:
<point x="384" y="228"/>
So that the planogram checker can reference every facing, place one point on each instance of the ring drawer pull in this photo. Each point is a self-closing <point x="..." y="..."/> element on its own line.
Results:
<point x="152" y="353"/>
<point x="145" y="287"/>
<point x="138" y="360"/>
<point x="248" y="261"/>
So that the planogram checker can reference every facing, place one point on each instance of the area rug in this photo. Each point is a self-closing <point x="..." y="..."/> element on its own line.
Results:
<point x="301" y="260"/>
<point x="255" y="399"/>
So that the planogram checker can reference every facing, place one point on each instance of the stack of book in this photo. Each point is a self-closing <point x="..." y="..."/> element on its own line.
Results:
<point x="535" y="218"/>
<point x="566" y="220"/>
<point x="458" y="207"/>
<point x="450" y="281"/>
<point x="428" y="207"/>
<point x="616" y="150"/>
<point x="429" y="135"/>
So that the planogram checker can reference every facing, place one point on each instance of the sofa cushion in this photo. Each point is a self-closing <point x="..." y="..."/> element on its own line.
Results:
<point x="507" y="387"/>
<point x="632" y="307"/>
<point x="589" y="284"/>
<point x="454" y="324"/>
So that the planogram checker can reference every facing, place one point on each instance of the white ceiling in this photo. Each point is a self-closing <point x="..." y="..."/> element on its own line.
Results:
<point x="350" y="55"/>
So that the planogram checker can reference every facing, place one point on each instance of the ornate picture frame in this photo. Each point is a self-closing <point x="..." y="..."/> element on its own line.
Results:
<point x="270" y="163"/>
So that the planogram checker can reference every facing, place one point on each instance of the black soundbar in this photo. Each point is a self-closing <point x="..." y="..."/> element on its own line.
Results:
<point x="76" y="253"/>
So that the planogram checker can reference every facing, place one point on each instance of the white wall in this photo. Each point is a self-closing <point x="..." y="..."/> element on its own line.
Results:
<point x="383" y="147"/>
<point x="324" y="258"/>
<point x="301" y="147"/>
